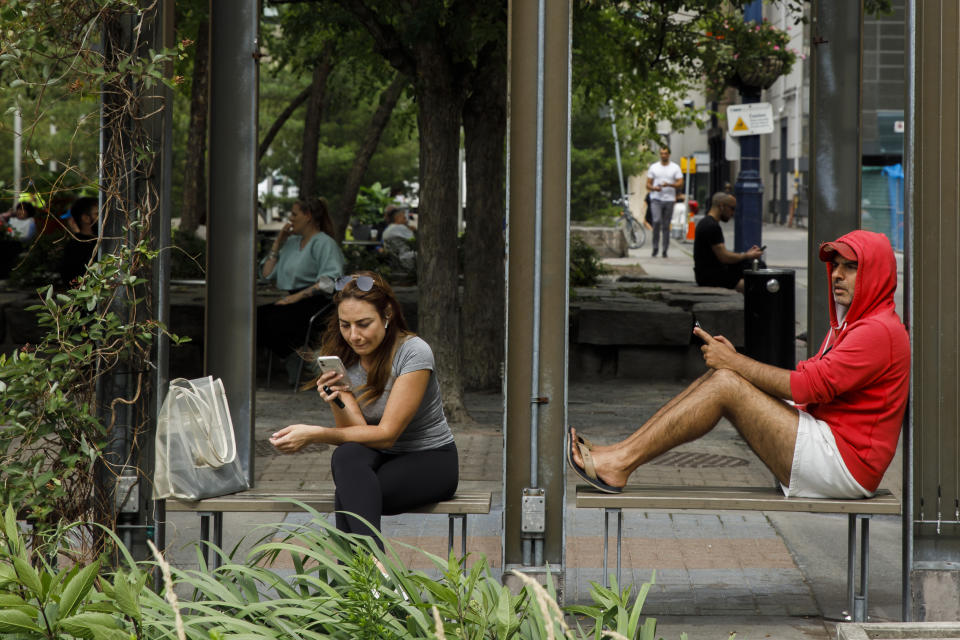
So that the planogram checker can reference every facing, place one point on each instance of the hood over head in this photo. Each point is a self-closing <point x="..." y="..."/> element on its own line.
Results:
<point x="876" y="272"/>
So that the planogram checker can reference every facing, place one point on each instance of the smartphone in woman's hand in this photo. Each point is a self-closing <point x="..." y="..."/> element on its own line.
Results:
<point x="334" y="363"/>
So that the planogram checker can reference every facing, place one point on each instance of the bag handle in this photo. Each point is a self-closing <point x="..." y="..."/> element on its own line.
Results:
<point x="214" y="444"/>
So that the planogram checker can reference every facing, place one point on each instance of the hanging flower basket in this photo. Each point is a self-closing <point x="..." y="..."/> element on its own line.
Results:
<point x="746" y="55"/>
<point x="759" y="73"/>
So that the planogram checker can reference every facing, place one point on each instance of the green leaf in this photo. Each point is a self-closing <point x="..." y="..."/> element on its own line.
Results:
<point x="28" y="576"/>
<point x="96" y="626"/>
<point x="16" y="621"/>
<point x="126" y="593"/>
<point x="13" y="601"/>
<point x="503" y="614"/>
<point x="76" y="589"/>
<point x="10" y="528"/>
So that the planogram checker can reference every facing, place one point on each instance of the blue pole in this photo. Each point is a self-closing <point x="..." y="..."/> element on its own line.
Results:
<point x="748" y="222"/>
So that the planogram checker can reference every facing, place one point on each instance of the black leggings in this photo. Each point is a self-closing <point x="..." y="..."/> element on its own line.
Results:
<point x="371" y="483"/>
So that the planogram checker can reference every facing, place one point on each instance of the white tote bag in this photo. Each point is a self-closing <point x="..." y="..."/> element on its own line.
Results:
<point x="196" y="449"/>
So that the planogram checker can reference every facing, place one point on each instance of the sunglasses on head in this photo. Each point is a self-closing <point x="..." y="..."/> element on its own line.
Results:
<point x="364" y="283"/>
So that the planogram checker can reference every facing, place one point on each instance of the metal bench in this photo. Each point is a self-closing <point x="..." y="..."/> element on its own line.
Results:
<point x="748" y="499"/>
<point x="459" y="506"/>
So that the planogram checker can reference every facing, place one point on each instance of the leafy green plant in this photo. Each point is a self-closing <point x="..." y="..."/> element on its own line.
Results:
<point x="585" y="264"/>
<point x="53" y="438"/>
<point x="614" y="611"/>
<point x="341" y="586"/>
<point x="371" y="201"/>
<point x="39" y="600"/>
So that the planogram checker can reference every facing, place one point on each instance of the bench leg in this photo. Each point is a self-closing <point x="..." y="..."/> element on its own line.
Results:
<point x="606" y="536"/>
<point x="463" y="533"/>
<point x="209" y="555"/>
<point x="857" y="597"/>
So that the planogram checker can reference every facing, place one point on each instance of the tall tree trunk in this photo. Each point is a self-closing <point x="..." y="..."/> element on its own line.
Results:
<point x="280" y="121"/>
<point x="482" y="315"/>
<point x="311" y="124"/>
<point x="194" y="210"/>
<point x="381" y="117"/>
<point x="440" y="99"/>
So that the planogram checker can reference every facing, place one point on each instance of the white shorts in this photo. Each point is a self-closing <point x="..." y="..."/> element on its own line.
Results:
<point x="818" y="469"/>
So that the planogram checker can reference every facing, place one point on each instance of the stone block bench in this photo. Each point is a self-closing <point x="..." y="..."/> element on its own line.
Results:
<point x="211" y="511"/>
<point x="748" y="499"/>
<point x="642" y="329"/>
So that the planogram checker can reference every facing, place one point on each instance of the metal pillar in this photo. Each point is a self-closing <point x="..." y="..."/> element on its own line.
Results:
<point x="162" y="122"/>
<point x="231" y="230"/>
<point x="17" y="155"/>
<point x="835" y="80"/>
<point x="748" y="223"/>
<point x="933" y="173"/>
<point x="537" y="240"/>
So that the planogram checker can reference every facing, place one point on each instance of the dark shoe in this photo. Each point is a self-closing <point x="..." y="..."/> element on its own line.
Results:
<point x="664" y="254"/>
<point x="655" y="252"/>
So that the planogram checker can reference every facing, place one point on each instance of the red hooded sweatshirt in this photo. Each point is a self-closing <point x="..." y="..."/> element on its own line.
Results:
<point x="858" y="381"/>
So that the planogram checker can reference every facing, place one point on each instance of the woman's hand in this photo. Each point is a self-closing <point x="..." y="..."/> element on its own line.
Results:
<point x="290" y="299"/>
<point x="329" y="386"/>
<point x="294" y="437"/>
<point x="285" y="232"/>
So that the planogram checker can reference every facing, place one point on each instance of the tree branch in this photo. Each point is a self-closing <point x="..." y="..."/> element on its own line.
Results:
<point x="281" y="120"/>
<point x="385" y="37"/>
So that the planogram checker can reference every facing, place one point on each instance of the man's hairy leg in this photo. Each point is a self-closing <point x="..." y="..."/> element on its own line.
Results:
<point x="680" y="396"/>
<point x="768" y="424"/>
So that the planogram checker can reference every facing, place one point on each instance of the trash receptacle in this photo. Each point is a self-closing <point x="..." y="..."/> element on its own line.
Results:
<point x="769" y="316"/>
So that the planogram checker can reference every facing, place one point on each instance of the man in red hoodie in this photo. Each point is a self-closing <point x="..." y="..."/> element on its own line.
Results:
<point x="829" y="428"/>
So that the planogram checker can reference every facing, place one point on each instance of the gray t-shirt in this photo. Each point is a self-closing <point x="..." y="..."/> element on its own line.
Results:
<point x="428" y="429"/>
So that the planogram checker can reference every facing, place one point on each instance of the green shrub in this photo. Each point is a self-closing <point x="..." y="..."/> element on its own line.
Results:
<point x="54" y="434"/>
<point x="585" y="264"/>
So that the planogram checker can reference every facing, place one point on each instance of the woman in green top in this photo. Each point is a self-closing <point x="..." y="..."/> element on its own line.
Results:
<point x="303" y="262"/>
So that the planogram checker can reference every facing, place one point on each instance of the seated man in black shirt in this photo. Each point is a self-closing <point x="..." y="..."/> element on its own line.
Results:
<point x="713" y="264"/>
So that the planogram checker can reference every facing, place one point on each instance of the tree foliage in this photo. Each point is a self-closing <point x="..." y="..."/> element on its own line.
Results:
<point x="295" y="39"/>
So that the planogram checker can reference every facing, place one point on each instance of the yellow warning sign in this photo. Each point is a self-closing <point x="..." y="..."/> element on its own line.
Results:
<point x="741" y="125"/>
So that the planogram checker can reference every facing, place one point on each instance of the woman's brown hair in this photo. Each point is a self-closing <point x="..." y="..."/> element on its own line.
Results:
<point x="383" y="299"/>
<point x="318" y="211"/>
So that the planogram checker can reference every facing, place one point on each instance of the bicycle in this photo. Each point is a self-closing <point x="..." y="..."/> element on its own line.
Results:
<point x="633" y="230"/>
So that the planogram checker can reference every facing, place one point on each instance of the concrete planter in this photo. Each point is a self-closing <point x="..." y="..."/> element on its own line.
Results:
<point x="608" y="241"/>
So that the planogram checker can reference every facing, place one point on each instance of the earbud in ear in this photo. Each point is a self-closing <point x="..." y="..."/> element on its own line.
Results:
<point x="386" y="324"/>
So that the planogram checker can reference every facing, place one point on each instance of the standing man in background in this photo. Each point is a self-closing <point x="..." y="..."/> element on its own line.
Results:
<point x="663" y="180"/>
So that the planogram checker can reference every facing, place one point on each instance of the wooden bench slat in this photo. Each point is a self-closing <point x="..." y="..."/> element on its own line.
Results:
<point x="731" y="499"/>
<point x="466" y="502"/>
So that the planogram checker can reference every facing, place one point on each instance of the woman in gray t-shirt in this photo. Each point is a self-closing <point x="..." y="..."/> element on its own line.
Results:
<point x="395" y="449"/>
